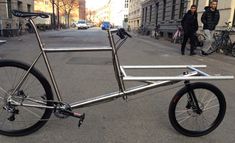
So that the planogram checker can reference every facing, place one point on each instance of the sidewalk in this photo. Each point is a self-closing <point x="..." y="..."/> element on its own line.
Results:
<point x="3" y="41"/>
<point x="232" y="37"/>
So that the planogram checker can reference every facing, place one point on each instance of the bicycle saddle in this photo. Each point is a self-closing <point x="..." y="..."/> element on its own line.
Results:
<point x="18" y="13"/>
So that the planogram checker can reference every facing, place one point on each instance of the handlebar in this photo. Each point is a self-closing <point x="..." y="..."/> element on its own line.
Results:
<point x="121" y="33"/>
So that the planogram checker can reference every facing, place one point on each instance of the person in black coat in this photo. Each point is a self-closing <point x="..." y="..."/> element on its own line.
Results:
<point x="190" y="27"/>
<point x="210" y="18"/>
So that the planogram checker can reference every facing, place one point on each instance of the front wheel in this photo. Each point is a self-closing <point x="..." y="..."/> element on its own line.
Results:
<point x="200" y="115"/>
<point x="35" y="90"/>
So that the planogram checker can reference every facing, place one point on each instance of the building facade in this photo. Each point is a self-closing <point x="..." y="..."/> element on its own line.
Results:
<point x="9" y="24"/>
<point x="134" y="16"/>
<point x="82" y="9"/>
<point x="165" y="13"/>
<point x="168" y="13"/>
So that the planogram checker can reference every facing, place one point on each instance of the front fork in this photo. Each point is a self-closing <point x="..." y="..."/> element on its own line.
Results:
<point x="192" y="99"/>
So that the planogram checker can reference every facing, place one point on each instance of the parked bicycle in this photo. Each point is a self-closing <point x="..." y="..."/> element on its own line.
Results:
<point x="156" y="32"/>
<point x="27" y="102"/>
<point x="143" y="30"/>
<point x="223" y="42"/>
<point x="199" y="41"/>
<point x="178" y="35"/>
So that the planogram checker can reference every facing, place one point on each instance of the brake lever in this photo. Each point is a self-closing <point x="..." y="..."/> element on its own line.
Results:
<point x="128" y="34"/>
<point x="122" y="32"/>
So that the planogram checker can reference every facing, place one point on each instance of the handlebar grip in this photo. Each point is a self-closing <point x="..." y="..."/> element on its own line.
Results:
<point x="122" y="33"/>
<point x="128" y="35"/>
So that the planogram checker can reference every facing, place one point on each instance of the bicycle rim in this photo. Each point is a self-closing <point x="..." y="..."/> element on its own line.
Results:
<point x="26" y="120"/>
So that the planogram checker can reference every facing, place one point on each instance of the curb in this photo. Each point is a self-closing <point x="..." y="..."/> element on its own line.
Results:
<point x="3" y="41"/>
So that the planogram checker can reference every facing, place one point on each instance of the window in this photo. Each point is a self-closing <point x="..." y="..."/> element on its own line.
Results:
<point x="19" y="5"/>
<point x="181" y="8"/>
<point x="173" y="9"/>
<point x="146" y="14"/>
<point x="126" y="3"/>
<point x="164" y="10"/>
<point x="234" y="18"/>
<point x="142" y="15"/>
<point x="9" y="15"/>
<point x="150" y="13"/>
<point x="157" y="7"/>
<point x="29" y="7"/>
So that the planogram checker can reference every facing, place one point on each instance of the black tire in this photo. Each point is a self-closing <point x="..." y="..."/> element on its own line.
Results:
<point x="233" y="50"/>
<point x="35" y="80"/>
<point x="216" y="45"/>
<point x="181" y="127"/>
<point x="200" y="40"/>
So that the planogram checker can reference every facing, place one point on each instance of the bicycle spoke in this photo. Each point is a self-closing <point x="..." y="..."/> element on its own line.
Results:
<point x="184" y="119"/>
<point x="33" y="113"/>
<point x="211" y="107"/>
<point x="209" y="101"/>
<point x="187" y="116"/>
<point x="15" y="118"/>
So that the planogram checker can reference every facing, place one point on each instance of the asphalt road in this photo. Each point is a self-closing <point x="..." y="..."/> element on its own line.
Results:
<point x="144" y="117"/>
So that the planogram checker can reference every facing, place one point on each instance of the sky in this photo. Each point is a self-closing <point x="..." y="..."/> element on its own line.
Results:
<point x="93" y="4"/>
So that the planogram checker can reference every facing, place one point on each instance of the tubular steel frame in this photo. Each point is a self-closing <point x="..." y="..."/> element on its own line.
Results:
<point x="120" y="73"/>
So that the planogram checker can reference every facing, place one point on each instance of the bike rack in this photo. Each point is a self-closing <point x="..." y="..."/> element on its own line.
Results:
<point x="151" y="82"/>
<point x="200" y="76"/>
<point x="194" y="74"/>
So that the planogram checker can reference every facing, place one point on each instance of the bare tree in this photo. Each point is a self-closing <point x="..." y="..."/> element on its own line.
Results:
<point x="66" y="6"/>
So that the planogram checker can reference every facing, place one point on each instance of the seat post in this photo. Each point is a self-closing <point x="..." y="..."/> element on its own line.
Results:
<point x="46" y="60"/>
<point x="36" y="33"/>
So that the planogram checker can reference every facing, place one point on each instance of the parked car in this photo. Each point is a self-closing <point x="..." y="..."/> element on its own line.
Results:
<point x="90" y="24"/>
<point x="105" y="25"/>
<point x="82" y="24"/>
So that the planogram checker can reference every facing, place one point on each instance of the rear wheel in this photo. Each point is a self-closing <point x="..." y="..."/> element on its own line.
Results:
<point x="21" y="120"/>
<point x="200" y="40"/>
<point x="233" y="50"/>
<point x="200" y="115"/>
<point x="217" y="44"/>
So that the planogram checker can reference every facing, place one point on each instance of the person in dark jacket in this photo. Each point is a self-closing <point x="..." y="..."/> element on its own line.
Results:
<point x="210" y="18"/>
<point x="190" y="27"/>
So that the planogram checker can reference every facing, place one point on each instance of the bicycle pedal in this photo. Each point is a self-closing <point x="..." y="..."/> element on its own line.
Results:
<point x="81" y="119"/>
<point x="12" y="117"/>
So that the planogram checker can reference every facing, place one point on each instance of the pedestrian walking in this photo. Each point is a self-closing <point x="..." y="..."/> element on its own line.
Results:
<point x="210" y="18"/>
<point x="190" y="27"/>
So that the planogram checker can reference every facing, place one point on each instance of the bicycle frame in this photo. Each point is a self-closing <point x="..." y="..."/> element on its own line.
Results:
<point x="120" y="73"/>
